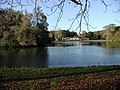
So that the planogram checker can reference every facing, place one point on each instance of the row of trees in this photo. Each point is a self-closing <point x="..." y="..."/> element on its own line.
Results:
<point x="60" y="34"/>
<point x="30" y="29"/>
<point x="18" y="29"/>
<point x="91" y="35"/>
<point x="110" y="32"/>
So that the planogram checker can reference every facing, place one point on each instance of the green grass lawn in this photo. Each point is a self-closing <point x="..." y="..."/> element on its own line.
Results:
<point x="83" y="78"/>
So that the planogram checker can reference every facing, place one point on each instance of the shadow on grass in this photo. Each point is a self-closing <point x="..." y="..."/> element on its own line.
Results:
<point x="50" y="73"/>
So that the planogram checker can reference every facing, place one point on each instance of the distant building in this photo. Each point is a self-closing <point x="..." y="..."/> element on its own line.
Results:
<point x="71" y="38"/>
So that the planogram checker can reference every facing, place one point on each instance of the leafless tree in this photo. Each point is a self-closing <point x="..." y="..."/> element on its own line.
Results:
<point x="58" y="5"/>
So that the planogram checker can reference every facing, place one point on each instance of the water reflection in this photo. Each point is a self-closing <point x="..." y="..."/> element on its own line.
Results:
<point x="110" y="48"/>
<point x="103" y="44"/>
<point x="35" y="57"/>
<point x="65" y="43"/>
<point x="78" y="43"/>
<point x="84" y="54"/>
<point x="63" y="54"/>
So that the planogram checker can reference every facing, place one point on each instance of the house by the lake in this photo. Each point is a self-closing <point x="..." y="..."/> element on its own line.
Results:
<point x="71" y="38"/>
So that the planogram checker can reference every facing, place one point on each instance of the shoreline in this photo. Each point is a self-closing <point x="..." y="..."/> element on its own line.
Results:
<point x="98" y="40"/>
<point x="85" y="40"/>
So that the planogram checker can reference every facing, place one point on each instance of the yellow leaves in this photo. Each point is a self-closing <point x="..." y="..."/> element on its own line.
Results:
<point x="25" y="22"/>
<point x="6" y="34"/>
<point x="66" y="83"/>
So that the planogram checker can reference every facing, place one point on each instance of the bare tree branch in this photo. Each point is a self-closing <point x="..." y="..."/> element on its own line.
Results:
<point x="117" y="21"/>
<point x="106" y="6"/>
<point x="56" y="7"/>
<point x="77" y="2"/>
<point x="81" y="17"/>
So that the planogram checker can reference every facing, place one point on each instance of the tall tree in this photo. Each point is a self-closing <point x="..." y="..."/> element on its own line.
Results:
<point x="17" y="30"/>
<point x="39" y="24"/>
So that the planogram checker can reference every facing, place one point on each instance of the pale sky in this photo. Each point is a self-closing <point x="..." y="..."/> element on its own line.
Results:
<point x="97" y="17"/>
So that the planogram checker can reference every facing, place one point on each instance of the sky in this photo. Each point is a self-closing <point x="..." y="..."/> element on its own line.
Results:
<point x="97" y="15"/>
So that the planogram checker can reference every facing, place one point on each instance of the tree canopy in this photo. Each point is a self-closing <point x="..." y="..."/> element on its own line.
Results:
<point x="60" y="34"/>
<point x="110" y="32"/>
<point x="18" y="29"/>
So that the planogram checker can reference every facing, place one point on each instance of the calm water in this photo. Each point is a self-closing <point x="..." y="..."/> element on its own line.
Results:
<point x="63" y="54"/>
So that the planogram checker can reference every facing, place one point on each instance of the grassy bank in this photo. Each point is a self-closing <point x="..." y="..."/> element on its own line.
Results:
<point x="85" y="78"/>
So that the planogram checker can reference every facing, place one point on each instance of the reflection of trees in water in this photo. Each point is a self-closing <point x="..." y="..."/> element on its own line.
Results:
<point x="62" y="43"/>
<point x="41" y="56"/>
<point x="110" y="47"/>
<point x="36" y="57"/>
<point x="91" y="43"/>
<point x="8" y="56"/>
<point x="103" y="44"/>
<point x="111" y="44"/>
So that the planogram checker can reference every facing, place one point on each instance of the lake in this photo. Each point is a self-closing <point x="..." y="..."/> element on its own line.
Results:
<point x="63" y="54"/>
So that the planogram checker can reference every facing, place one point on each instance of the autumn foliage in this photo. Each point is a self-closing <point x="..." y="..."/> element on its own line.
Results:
<point x="94" y="78"/>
